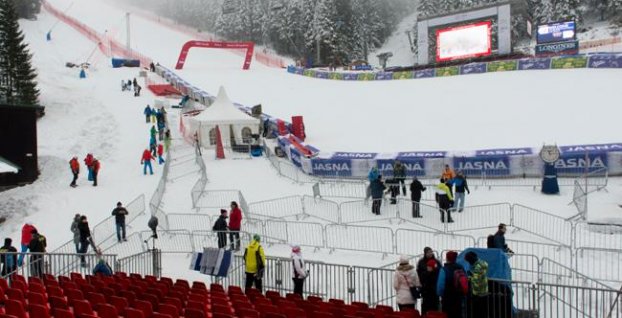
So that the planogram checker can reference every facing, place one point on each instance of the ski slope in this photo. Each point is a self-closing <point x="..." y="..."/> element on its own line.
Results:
<point x="516" y="109"/>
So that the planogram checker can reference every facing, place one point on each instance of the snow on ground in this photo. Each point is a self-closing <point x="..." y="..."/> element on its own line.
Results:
<point x="93" y="115"/>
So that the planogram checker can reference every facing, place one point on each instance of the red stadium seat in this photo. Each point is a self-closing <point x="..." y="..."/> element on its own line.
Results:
<point x="38" y="299"/>
<point x="143" y="306"/>
<point x="178" y="304"/>
<point x="16" y="294"/>
<point x="18" y="284"/>
<point x="234" y="290"/>
<point x="73" y="295"/>
<point x="136" y="313"/>
<point x="170" y="310"/>
<point x="54" y="291"/>
<point x="129" y="295"/>
<point x="4" y="284"/>
<point x="15" y="308"/>
<point x="37" y="288"/>
<point x="167" y="280"/>
<point x="96" y="298"/>
<point x="82" y="307"/>
<point x="119" y="304"/>
<point x="221" y="309"/>
<point x="65" y="313"/>
<point x="160" y="315"/>
<point x="106" y="311"/>
<point x="194" y="313"/>
<point x="247" y="313"/>
<point x="38" y="311"/>
<point x="315" y="299"/>
<point x="294" y="313"/>
<point x="58" y="302"/>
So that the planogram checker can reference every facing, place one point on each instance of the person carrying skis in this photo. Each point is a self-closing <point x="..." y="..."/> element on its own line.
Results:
<point x="146" y="161"/>
<point x="75" y="170"/>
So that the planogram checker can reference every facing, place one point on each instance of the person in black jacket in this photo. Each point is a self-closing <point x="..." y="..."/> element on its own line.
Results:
<point x="499" y="239"/>
<point x="37" y="245"/>
<point x="427" y="269"/>
<point x="399" y="174"/>
<point x="85" y="238"/>
<point x="415" y="196"/>
<point x="119" y="218"/>
<point x="220" y="227"/>
<point x="377" y="188"/>
<point x="9" y="261"/>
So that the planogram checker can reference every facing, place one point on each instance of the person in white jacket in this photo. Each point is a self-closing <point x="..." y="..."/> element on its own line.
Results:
<point x="299" y="274"/>
<point x="404" y="279"/>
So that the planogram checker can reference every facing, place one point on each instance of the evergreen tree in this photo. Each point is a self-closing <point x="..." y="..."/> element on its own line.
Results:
<point x="427" y="8"/>
<point x="567" y="10"/>
<point x="27" y="9"/>
<point x="20" y="87"/>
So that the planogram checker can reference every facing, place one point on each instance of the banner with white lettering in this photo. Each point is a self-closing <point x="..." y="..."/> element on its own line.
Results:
<point x="354" y="155"/>
<point x="421" y="154"/>
<point x="488" y="165"/>
<point x="591" y="148"/>
<point x="295" y="157"/>
<point x="414" y="167"/>
<point x="578" y="163"/>
<point x="332" y="167"/>
<point x="504" y="152"/>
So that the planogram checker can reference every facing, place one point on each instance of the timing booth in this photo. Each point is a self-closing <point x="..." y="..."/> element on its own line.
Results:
<point x="236" y="127"/>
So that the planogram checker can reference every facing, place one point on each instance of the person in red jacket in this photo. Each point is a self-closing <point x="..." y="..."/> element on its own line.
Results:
<point x="26" y="238"/>
<point x="146" y="161"/>
<point x="75" y="170"/>
<point x="160" y="153"/>
<point x="88" y="162"/>
<point x="235" y="224"/>
<point x="96" y="167"/>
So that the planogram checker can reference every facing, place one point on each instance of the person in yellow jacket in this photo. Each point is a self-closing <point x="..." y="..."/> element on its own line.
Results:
<point x="445" y="200"/>
<point x="255" y="261"/>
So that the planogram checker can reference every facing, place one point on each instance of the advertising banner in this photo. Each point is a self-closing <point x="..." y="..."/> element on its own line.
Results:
<point x="350" y="77"/>
<point x="332" y="167"/>
<point x="562" y="48"/>
<point x="499" y="66"/>
<point x="504" y="152"/>
<point x="309" y="73"/>
<point x="447" y="71"/>
<point x="322" y="75"/>
<point x="534" y="64"/>
<point x="569" y="62"/>
<point x="424" y="73"/>
<point x="366" y="76"/>
<point x="578" y="163"/>
<point x="383" y="76"/>
<point x="354" y="155"/>
<point x="562" y="31"/>
<point x="403" y="75"/>
<point x="488" y="165"/>
<point x="295" y="157"/>
<point x="473" y="68"/>
<point x="336" y="76"/>
<point x="591" y="148"/>
<point x="402" y="156"/>
<point x="414" y="167"/>
<point x="605" y="61"/>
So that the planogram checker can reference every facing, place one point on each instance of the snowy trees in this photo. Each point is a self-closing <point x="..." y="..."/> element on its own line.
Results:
<point x="27" y="9"/>
<point x="17" y="85"/>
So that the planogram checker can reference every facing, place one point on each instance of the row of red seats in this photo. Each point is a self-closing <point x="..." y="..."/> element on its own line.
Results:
<point x="135" y="296"/>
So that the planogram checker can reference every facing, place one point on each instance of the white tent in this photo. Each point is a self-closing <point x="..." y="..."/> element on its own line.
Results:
<point x="233" y="123"/>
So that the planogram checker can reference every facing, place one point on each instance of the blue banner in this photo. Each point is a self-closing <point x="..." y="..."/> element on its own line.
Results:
<point x="489" y="165"/>
<point x="283" y="142"/>
<point x="605" y="61"/>
<point x="362" y="67"/>
<point x="354" y="155"/>
<point x="332" y="167"/>
<point x="534" y="64"/>
<point x="504" y="152"/>
<point x="473" y="68"/>
<point x="295" y="157"/>
<point x="414" y="167"/>
<point x="383" y="76"/>
<point x="350" y="77"/>
<point x="565" y="48"/>
<point x="424" y="73"/>
<point x="421" y="154"/>
<point x="578" y="163"/>
<point x="582" y="149"/>
<point x="291" y="69"/>
<point x="322" y="75"/>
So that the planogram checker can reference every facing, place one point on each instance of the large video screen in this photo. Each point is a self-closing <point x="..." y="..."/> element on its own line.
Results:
<point x="556" y="32"/>
<point x="466" y="41"/>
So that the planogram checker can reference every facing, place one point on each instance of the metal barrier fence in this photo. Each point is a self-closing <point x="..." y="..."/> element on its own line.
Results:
<point x="542" y="224"/>
<point x="579" y="199"/>
<point x="608" y="268"/>
<point x="598" y="236"/>
<point x="37" y="264"/>
<point x="145" y="263"/>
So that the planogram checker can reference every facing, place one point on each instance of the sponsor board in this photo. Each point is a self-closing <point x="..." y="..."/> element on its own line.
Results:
<point x="354" y="155"/>
<point x="489" y="165"/>
<point x="500" y="66"/>
<point x="447" y="71"/>
<point x="569" y="62"/>
<point x="504" y="152"/>
<point x="414" y="167"/>
<point x="331" y="167"/>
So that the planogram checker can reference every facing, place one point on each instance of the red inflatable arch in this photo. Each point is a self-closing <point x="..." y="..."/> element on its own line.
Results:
<point x="249" y="46"/>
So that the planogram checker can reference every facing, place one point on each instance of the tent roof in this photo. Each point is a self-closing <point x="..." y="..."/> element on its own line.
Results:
<point x="222" y="111"/>
<point x="7" y="166"/>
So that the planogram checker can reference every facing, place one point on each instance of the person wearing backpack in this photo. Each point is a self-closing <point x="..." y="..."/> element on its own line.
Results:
<point x="406" y="284"/>
<point x="37" y="244"/>
<point x="9" y="261"/>
<point x="452" y="286"/>
<point x="498" y="240"/>
<point x="477" y="302"/>
<point x="255" y="262"/>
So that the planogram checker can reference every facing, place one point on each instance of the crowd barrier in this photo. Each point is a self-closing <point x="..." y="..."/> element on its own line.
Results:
<point x="113" y="49"/>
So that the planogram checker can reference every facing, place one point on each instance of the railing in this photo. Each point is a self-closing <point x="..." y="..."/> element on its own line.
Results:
<point x="37" y="264"/>
<point x="146" y="263"/>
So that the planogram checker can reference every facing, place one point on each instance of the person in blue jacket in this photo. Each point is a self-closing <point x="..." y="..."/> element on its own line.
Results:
<point x="102" y="268"/>
<point x="377" y="188"/>
<point x="147" y="113"/>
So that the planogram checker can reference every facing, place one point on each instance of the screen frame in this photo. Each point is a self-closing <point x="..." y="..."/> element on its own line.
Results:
<point x="574" y="37"/>
<point x="488" y="51"/>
